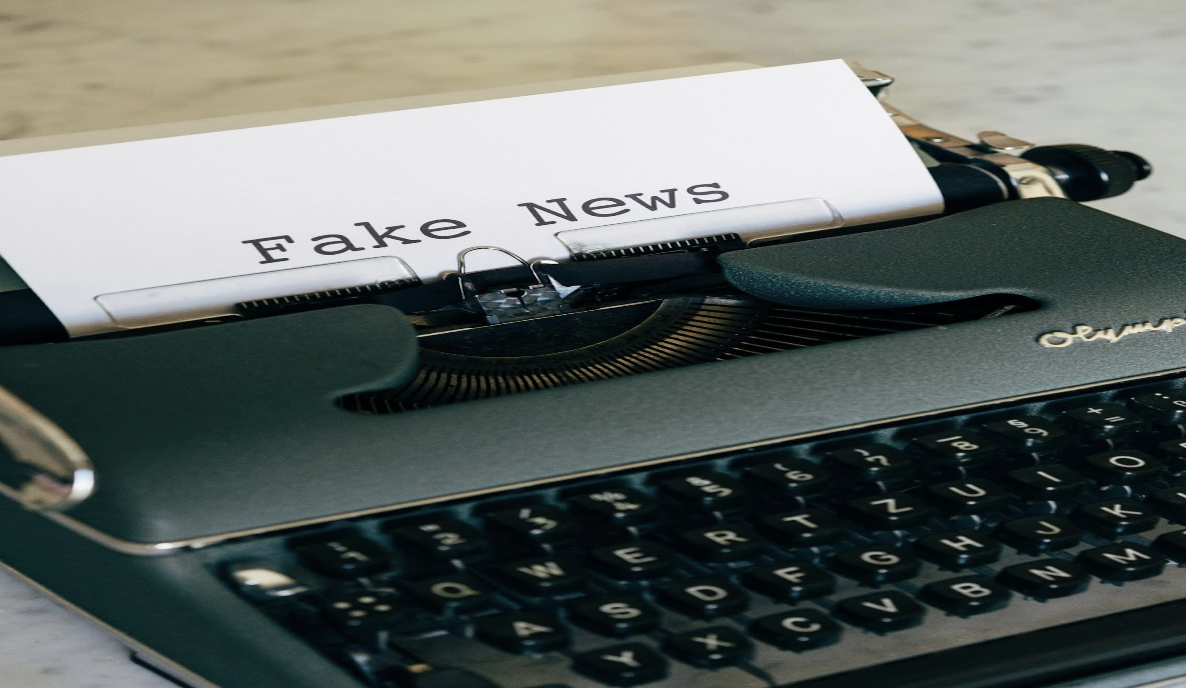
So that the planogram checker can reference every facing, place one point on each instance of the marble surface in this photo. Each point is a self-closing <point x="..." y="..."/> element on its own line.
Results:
<point x="1047" y="70"/>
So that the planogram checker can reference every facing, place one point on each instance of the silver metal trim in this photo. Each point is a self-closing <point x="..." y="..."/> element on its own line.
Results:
<point x="1028" y="179"/>
<point x="750" y="222"/>
<point x="164" y="548"/>
<point x="148" y="655"/>
<point x="66" y="476"/>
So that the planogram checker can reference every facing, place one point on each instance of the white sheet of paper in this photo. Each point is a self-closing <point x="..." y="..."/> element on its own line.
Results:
<point x="94" y="222"/>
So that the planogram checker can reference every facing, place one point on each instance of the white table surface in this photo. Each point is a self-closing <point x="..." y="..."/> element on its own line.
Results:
<point x="1108" y="74"/>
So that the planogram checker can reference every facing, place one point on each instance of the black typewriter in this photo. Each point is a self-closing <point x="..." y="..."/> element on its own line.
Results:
<point x="948" y="453"/>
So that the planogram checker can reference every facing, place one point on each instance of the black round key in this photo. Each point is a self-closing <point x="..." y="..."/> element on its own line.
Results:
<point x="625" y="664"/>
<point x="958" y="549"/>
<point x="875" y="564"/>
<point x="1106" y="420"/>
<point x="1028" y="432"/>
<point x="871" y="462"/>
<point x="1166" y="406"/>
<point x="634" y="560"/>
<point x="345" y="556"/>
<point x="706" y="490"/>
<point x="1171" y="503"/>
<point x="957" y="448"/>
<point x="450" y="678"/>
<point x="723" y="542"/>
<point x="523" y="632"/>
<point x="803" y="528"/>
<point x="616" y="616"/>
<point x="1128" y="467"/>
<point x="1051" y="481"/>
<point x="890" y="511"/>
<point x="364" y="609"/>
<point x="967" y="496"/>
<point x="1116" y="517"/>
<point x="545" y="576"/>
<point x="797" y="630"/>
<point x="447" y="537"/>
<point x="966" y="595"/>
<point x="1122" y="561"/>
<point x="889" y="610"/>
<point x="538" y="524"/>
<point x="1039" y="534"/>
<point x="705" y="598"/>
<point x="790" y="582"/>
<point x="621" y="506"/>
<point x="454" y="593"/>
<point x="791" y="477"/>
<point x="1173" y="453"/>
<point x="1045" y="578"/>
<point x="709" y="647"/>
<point x="1172" y="545"/>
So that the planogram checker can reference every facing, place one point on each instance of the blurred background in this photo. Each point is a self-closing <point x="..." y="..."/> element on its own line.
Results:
<point x="1049" y="71"/>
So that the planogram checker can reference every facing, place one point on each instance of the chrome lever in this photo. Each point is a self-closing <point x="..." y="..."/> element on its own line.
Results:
<point x="62" y="475"/>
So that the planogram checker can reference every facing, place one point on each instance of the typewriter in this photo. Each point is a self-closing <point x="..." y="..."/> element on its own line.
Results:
<point x="946" y="453"/>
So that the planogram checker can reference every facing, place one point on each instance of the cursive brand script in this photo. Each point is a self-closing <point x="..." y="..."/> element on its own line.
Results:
<point x="1087" y="333"/>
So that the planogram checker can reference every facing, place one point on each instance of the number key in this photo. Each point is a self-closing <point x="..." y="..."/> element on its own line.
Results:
<point x="447" y="537"/>
<point x="707" y="490"/>
<point x="871" y="462"/>
<point x="622" y="506"/>
<point x="792" y="477"/>
<point x="957" y="447"/>
<point x="535" y="523"/>
<point x="1029" y="432"/>
<point x="347" y="556"/>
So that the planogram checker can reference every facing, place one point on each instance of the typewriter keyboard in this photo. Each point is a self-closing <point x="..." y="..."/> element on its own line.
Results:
<point x="1001" y="544"/>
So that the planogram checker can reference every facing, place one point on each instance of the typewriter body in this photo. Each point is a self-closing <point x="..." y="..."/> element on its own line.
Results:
<point x="945" y="453"/>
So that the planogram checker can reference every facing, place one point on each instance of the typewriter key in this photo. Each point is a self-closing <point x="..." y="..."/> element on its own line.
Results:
<point x="1166" y="406"/>
<point x="523" y="632"/>
<point x="1106" y="420"/>
<point x="1045" y="578"/>
<point x="638" y="560"/>
<point x="959" y="549"/>
<point x="724" y="542"/>
<point x="710" y="647"/>
<point x="890" y="511"/>
<point x="966" y="596"/>
<point x="790" y="581"/>
<point x="616" y="616"/>
<point x="797" y="630"/>
<point x="1049" y="481"/>
<point x="1116" y="517"/>
<point x="545" y="576"/>
<point x="803" y="528"/>
<point x="347" y="556"/>
<point x="705" y="598"/>
<point x="1030" y="433"/>
<point x="457" y="593"/>
<point x="881" y="611"/>
<point x="875" y="564"/>
<point x="1122" y="561"/>
<point x="627" y="664"/>
<point x="1039" y="534"/>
